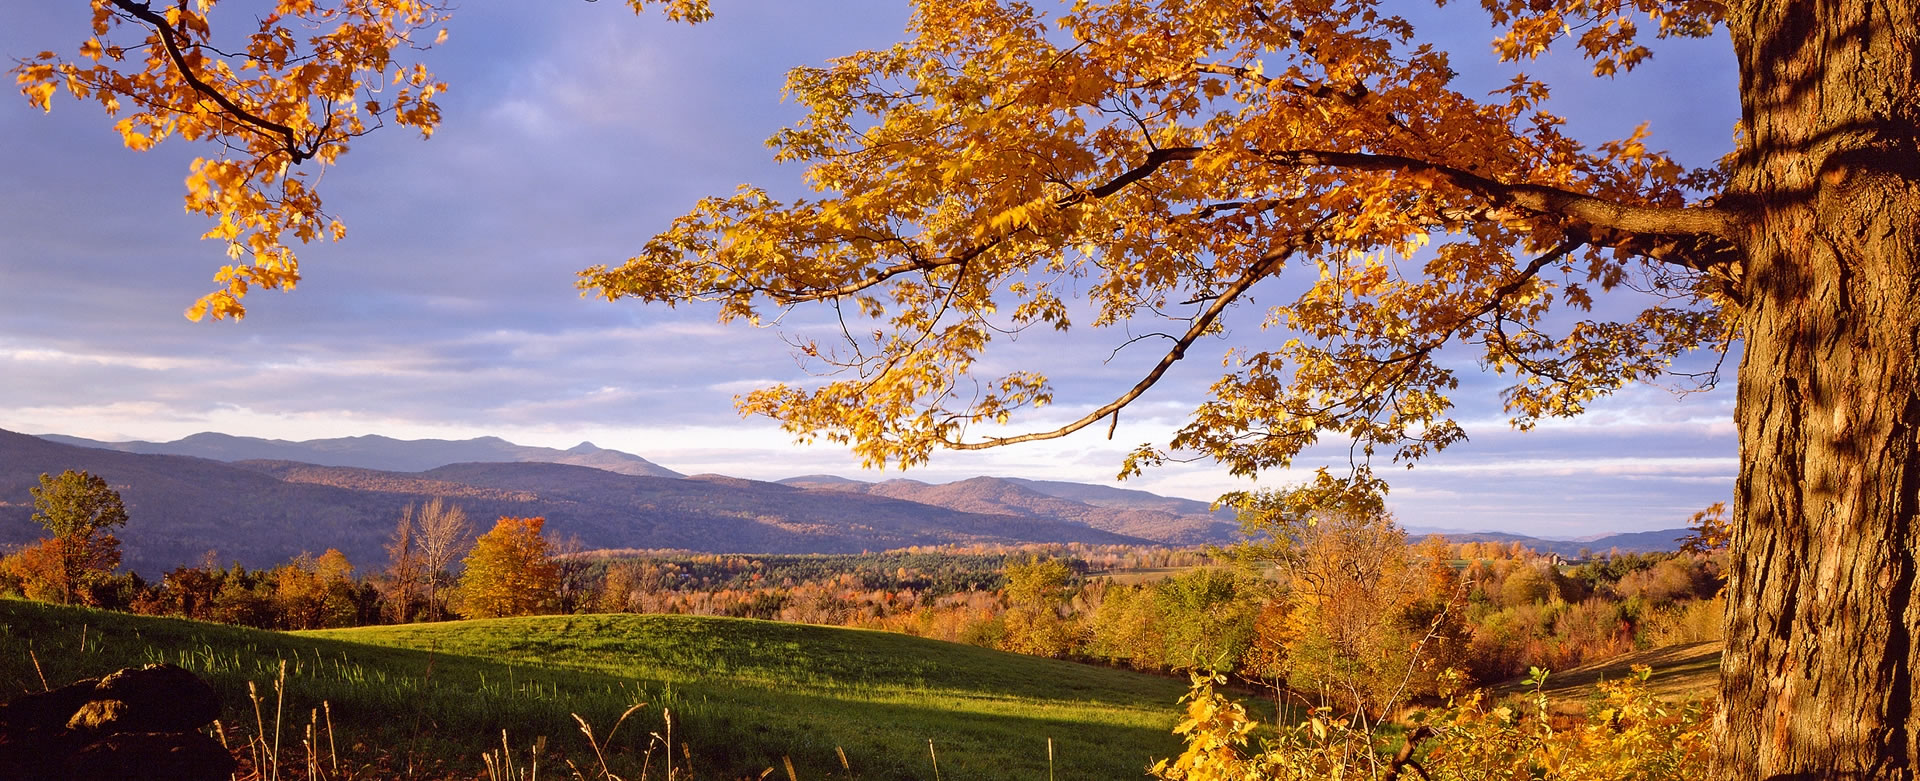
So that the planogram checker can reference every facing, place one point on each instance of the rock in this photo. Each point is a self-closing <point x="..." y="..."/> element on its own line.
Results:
<point x="36" y="755"/>
<point x="154" y="698"/>
<point x="99" y="716"/>
<point x="135" y="723"/>
<point x="153" y="756"/>
<point x="45" y="710"/>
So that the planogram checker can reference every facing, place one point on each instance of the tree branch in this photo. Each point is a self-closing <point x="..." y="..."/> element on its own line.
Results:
<point x="170" y="39"/>
<point x="1234" y="71"/>
<point x="1403" y="759"/>
<point x="980" y="246"/>
<point x="1201" y="324"/>
<point x="1692" y="237"/>
<point x="1597" y="212"/>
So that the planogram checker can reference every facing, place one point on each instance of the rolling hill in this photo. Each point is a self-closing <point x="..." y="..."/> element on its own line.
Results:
<point x="262" y="512"/>
<point x="743" y="694"/>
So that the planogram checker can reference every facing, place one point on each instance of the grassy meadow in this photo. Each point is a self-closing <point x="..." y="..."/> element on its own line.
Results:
<point x="1680" y="672"/>
<point x="743" y="695"/>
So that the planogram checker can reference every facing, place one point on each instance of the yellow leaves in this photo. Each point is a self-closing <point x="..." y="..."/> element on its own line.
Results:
<point x="39" y="95"/>
<point x="132" y="136"/>
<point x="1608" y="35"/>
<point x="37" y="81"/>
<point x="290" y="95"/>
<point x="509" y="572"/>
<point x="1371" y="279"/>
<point x="690" y="11"/>
<point x="1630" y="735"/>
<point x="1015" y="218"/>
<point x="998" y="152"/>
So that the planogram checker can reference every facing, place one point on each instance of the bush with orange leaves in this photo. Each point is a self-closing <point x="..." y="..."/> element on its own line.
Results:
<point x="1626" y="734"/>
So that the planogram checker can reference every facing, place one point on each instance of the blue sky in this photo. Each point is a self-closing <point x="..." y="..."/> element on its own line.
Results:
<point x="573" y="131"/>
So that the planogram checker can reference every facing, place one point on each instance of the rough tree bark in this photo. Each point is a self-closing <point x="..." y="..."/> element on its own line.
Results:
<point x="1821" y="655"/>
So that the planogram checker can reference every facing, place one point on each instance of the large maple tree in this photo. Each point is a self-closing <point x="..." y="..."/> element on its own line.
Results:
<point x="1168" y="158"/>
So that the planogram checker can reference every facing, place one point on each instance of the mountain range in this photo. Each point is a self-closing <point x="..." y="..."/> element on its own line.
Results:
<point x="378" y="452"/>
<point x="261" y="512"/>
<point x="261" y="501"/>
<point x="1624" y="542"/>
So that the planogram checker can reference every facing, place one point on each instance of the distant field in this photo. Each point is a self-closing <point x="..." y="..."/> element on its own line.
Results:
<point x="1136" y="576"/>
<point x="743" y="693"/>
<point x="1679" y="672"/>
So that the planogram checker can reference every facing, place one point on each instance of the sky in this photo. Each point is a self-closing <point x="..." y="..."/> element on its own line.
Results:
<point x="574" y="131"/>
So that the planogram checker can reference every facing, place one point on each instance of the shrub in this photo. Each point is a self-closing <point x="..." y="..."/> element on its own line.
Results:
<point x="1627" y="733"/>
<point x="1697" y="621"/>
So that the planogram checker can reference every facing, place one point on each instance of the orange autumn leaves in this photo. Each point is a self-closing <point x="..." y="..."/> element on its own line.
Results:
<point x="1010" y="166"/>
<point x="79" y="510"/>
<point x="509" y="572"/>
<point x="1011" y="169"/>
<point x="281" y="94"/>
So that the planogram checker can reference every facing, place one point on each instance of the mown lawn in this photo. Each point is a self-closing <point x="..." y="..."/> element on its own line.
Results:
<point x="743" y="694"/>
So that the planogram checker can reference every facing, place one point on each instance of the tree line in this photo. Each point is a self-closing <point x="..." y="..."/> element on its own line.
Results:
<point x="1341" y="604"/>
<point x="437" y="569"/>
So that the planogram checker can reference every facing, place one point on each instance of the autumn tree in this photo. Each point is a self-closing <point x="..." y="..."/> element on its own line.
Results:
<point x="509" y="572"/>
<point x="1127" y="626"/>
<point x="572" y="570"/>
<point x="62" y="569"/>
<point x="1207" y="618"/>
<point x="405" y="576"/>
<point x="79" y="510"/>
<point x="316" y="592"/>
<point x="1172" y="159"/>
<point x="1036" y="596"/>
<point x="1441" y="609"/>
<point x="442" y="533"/>
<point x="1351" y="587"/>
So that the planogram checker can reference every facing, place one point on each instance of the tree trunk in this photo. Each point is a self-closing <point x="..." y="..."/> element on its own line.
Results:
<point x="1819" y="671"/>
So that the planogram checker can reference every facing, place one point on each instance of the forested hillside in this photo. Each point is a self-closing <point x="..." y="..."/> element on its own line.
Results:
<point x="262" y="513"/>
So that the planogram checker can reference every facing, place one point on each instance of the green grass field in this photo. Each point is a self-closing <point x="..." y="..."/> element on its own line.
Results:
<point x="743" y="694"/>
<point x="1690" y="671"/>
<point x="1680" y="672"/>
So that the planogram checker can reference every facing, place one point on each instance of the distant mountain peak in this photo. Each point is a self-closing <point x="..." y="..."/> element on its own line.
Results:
<point x="210" y="436"/>
<point x="373" y="451"/>
<point x="822" y="479"/>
